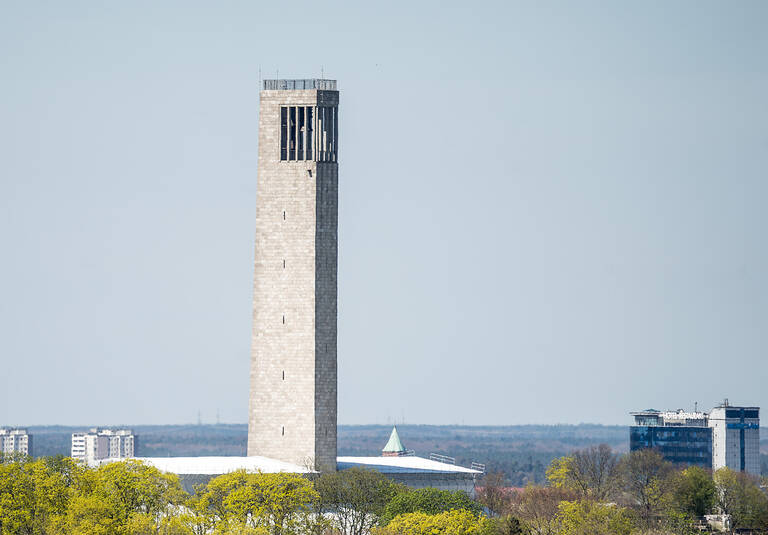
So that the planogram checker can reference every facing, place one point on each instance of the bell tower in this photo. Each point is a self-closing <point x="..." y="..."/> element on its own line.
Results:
<point x="293" y="380"/>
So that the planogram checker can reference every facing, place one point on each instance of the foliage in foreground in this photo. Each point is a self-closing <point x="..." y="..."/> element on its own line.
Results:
<point x="429" y="501"/>
<point x="453" y="522"/>
<point x="356" y="498"/>
<point x="58" y="496"/>
<point x="592" y="492"/>
<point x="591" y="518"/>
<point x="272" y="503"/>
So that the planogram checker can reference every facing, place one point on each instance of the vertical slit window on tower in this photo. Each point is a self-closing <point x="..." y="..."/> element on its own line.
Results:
<point x="292" y="128"/>
<point x="310" y="132"/>
<point x="331" y="128"/>
<point x="318" y="134"/>
<point x="327" y="133"/>
<point x="283" y="133"/>
<point x="335" y="133"/>
<point x="283" y="263"/>
<point x="283" y="375"/>
<point x="283" y="215"/>
<point x="283" y="430"/>
<point x="283" y="319"/>
<point x="302" y="132"/>
<point x="321" y="126"/>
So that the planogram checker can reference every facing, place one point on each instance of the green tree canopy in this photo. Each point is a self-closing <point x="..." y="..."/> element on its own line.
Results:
<point x="34" y="495"/>
<point x="693" y="491"/>
<point x="429" y="501"/>
<point x="586" y="517"/>
<point x="646" y="483"/>
<point x="740" y="496"/>
<point x="492" y="493"/>
<point x="356" y="497"/>
<point x="539" y="508"/>
<point x="279" y="503"/>
<point x="134" y="487"/>
<point x="593" y="472"/>
<point x="452" y="522"/>
<point x="504" y="525"/>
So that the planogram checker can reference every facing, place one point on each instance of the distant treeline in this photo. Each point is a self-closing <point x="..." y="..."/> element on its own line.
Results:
<point x="521" y="452"/>
<point x="153" y="440"/>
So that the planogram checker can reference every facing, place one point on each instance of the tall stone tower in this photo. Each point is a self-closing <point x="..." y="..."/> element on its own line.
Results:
<point x="292" y="410"/>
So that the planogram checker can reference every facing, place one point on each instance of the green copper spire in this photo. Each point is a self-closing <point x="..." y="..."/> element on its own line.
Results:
<point x="394" y="445"/>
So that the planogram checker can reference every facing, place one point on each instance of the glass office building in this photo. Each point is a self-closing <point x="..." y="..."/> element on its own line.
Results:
<point x="727" y="436"/>
<point x="683" y="438"/>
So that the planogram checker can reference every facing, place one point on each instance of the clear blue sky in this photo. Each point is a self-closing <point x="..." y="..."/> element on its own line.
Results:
<point x="550" y="211"/>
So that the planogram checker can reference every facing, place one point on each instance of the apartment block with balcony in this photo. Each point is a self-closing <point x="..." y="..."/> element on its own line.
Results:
<point x="100" y="444"/>
<point x="15" y="441"/>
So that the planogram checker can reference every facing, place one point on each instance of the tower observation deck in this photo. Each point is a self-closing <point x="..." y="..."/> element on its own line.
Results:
<point x="300" y="84"/>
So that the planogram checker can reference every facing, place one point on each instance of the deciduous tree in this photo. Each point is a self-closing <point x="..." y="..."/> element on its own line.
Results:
<point x="538" y="508"/>
<point x="585" y="517"/>
<point x="430" y="501"/>
<point x="453" y="522"/>
<point x="504" y="525"/>
<point x="645" y="475"/>
<point x="592" y="472"/>
<point x="693" y="491"/>
<point x="740" y="496"/>
<point x="133" y="487"/>
<point x="278" y="502"/>
<point x="492" y="493"/>
<point x="34" y="495"/>
<point x="356" y="497"/>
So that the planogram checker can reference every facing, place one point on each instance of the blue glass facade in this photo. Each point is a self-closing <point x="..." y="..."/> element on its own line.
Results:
<point x="742" y="413"/>
<point x="684" y="445"/>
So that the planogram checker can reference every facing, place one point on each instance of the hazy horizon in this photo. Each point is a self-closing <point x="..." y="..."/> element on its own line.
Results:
<point x="548" y="213"/>
<point x="383" y="424"/>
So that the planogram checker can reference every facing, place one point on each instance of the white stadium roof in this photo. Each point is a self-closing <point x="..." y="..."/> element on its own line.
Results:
<point x="224" y="465"/>
<point x="221" y="465"/>
<point x="402" y="464"/>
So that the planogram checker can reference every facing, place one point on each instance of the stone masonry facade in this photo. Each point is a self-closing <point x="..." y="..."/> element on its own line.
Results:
<point x="293" y="377"/>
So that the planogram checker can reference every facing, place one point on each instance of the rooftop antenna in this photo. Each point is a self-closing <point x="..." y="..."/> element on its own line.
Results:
<point x="695" y="406"/>
<point x="199" y="419"/>
<point x="322" y="73"/>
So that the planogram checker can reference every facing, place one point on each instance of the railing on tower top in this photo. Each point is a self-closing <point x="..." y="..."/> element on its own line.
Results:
<point x="312" y="83"/>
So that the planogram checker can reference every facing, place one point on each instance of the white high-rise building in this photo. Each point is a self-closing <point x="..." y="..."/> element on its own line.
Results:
<point x="15" y="441"/>
<point x="735" y="438"/>
<point x="100" y="444"/>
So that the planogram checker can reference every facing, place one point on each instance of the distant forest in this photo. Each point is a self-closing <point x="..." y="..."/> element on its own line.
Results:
<point x="521" y="452"/>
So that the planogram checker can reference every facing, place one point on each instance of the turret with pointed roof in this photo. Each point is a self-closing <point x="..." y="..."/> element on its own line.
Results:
<point x="394" y="447"/>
